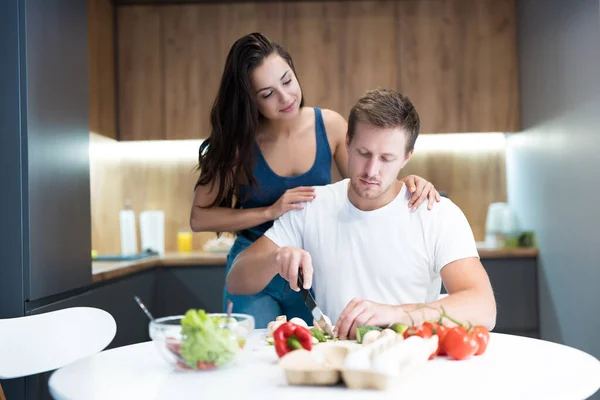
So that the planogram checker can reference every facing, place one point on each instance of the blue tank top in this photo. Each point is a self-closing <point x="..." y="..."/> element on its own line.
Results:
<point x="270" y="186"/>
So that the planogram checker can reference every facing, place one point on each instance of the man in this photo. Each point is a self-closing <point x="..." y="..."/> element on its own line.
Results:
<point x="373" y="260"/>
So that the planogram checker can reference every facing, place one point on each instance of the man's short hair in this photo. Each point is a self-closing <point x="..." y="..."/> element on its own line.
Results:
<point x="386" y="108"/>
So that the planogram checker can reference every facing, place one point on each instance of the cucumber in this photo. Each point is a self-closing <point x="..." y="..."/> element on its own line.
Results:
<point x="317" y="334"/>
<point x="399" y="328"/>
<point x="361" y="330"/>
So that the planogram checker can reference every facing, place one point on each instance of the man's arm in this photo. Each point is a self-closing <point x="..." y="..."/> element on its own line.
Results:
<point x="455" y="259"/>
<point x="253" y="268"/>
<point x="470" y="296"/>
<point x="470" y="299"/>
<point x="278" y="251"/>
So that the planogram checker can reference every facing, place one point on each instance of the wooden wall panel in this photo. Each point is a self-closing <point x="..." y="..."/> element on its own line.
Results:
<point x="148" y="182"/>
<point x="140" y="73"/>
<point x="312" y="31"/>
<point x="368" y="51"/>
<point x="196" y="40"/>
<point x="458" y="63"/>
<point x="101" y="49"/>
<point x="455" y="59"/>
<point x="471" y="179"/>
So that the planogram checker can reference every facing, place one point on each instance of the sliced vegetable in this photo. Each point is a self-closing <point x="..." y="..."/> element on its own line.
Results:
<point x="317" y="326"/>
<point x="319" y="335"/>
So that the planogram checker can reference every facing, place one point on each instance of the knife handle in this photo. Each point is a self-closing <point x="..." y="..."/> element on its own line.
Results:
<point x="300" y="280"/>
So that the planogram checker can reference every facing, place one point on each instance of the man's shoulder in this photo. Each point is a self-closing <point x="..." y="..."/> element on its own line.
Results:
<point x="330" y="194"/>
<point x="444" y="211"/>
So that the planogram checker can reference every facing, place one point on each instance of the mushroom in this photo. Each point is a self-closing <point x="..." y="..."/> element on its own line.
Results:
<point x="388" y="332"/>
<point x="272" y="327"/>
<point x="316" y="324"/>
<point x="299" y="321"/>
<point x="282" y="318"/>
<point x="371" y="336"/>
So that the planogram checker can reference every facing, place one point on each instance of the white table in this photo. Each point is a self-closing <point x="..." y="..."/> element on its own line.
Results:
<point x="513" y="367"/>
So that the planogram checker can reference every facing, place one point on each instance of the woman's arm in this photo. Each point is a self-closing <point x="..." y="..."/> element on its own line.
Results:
<point x="225" y="219"/>
<point x="337" y="128"/>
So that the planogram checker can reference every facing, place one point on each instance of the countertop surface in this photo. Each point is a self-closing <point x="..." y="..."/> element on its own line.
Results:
<point x="106" y="270"/>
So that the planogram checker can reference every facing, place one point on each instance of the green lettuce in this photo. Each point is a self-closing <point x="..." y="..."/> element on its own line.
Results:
<point x="204" y="339"/>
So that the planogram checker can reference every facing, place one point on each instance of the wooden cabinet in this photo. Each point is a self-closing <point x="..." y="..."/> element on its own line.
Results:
<point x="179" y="289"/>
<point x="457" y="60"/>
<point x="116" y="298"/>
<point x="101" y="57"/>
<point x="341" y="49"/>
<point x="140" y="70"/>
<point x="458" y="64"/>
<point x="195" y="41"/>
<point x="516" y="288"/>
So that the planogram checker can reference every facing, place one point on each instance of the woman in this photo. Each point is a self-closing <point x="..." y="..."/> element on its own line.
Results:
<point x="265" y="153"/>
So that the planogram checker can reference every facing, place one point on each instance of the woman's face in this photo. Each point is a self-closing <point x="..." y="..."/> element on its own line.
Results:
<point x="277" y="91"/>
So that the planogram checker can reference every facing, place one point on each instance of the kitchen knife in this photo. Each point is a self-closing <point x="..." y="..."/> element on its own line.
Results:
<point x="313" y="308"/>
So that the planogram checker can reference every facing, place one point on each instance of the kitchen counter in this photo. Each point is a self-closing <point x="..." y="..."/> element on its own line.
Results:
<point x="106" y="270"/>
<point x="517" y="252"/>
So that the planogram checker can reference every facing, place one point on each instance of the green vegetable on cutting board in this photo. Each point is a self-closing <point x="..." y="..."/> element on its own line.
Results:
<point x="317" y="334"/>
<point x="399" y="328"/>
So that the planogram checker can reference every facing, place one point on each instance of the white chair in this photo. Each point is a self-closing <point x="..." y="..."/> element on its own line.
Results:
<point x="40" y="343"/>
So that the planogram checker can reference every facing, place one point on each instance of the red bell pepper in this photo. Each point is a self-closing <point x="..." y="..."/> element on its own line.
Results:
<point x="289" y="337"/>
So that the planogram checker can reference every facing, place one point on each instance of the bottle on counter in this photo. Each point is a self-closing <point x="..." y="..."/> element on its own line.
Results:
<point x="128" y="230"/>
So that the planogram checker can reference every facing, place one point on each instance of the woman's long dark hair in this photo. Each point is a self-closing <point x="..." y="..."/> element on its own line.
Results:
<point x="229" y="154"/>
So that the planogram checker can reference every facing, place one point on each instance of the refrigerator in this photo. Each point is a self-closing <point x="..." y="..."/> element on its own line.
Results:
<point x="45" y="228"/>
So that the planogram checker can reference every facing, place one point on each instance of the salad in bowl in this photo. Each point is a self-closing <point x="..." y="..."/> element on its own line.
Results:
<point x="200" y="340"/>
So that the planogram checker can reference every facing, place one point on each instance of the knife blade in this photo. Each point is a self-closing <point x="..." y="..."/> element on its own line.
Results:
<point x="316" y="312"/>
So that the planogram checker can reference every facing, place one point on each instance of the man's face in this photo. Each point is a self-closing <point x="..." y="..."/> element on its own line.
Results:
<point x="376" y="156"/>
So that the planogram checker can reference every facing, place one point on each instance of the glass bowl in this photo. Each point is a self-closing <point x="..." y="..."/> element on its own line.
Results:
<point x="209" y="347"/>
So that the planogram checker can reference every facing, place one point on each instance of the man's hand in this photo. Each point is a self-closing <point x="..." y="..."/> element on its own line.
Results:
<point x="364" y="312"/>
<point x="289" y="260"/>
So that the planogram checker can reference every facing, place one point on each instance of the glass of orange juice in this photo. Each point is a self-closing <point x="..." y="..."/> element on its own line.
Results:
<point x="184" y="241"/>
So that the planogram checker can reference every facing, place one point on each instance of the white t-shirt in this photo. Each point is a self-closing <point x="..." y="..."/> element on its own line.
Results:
<point x="390" y="255"/>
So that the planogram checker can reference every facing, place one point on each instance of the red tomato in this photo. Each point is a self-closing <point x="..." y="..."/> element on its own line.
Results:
<point x="206" y="365"/>
<point x="460" y="344"/>
<point x="441" y="331"/>
<point x="425" y="331"/>
<point x="182" y="365"/>
<point x="432" y="327"/>
<point x="173" y="348"/>
<point x="482" y="335"/>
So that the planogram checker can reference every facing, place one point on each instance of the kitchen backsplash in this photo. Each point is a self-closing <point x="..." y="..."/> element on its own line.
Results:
<point x="161" y="176"/>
